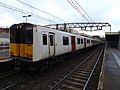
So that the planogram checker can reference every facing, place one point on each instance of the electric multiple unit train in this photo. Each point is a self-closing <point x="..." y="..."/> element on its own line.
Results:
<point x="30" y="43"/>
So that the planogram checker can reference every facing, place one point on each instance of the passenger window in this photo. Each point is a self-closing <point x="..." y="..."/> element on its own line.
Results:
<point x="92" y="41"/>
<point x="88" y="41"/>
<point x="51" y="40"/>
<point x="81" y="41"/>
<point x="44" y="39"/>
<point x="65" y="41"/>
<point x="78" y="40"/>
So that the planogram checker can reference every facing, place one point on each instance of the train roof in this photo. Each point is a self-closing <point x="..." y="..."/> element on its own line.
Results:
<point x="29" y="24"/>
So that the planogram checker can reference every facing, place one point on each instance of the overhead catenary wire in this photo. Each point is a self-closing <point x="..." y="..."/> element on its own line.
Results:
<point x="80" y="10"/>
<point x="83" y="10"/>
<point x="76" y="8"/>
<point x="24" y="12"/>
<point x="41" y="10"/>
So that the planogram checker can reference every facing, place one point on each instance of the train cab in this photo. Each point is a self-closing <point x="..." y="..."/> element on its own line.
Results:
<point x="21" y="41"/>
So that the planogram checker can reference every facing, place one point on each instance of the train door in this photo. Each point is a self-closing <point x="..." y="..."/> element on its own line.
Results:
<point x="28" y="46"/>
<point x="84" y="42"/>
<point x="73" y="45"/>
<point x="51" y="40"/>
<point x="26" y="41"/>
<point x="45" y="48"/>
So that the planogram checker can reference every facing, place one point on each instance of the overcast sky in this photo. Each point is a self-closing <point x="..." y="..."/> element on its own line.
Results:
<point x="98" y="10"/>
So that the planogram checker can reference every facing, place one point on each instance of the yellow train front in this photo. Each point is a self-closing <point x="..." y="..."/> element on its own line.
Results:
<point x="21" y="42"/>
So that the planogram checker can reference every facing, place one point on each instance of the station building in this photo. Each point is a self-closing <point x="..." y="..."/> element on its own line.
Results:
<point x="113" y="39"/>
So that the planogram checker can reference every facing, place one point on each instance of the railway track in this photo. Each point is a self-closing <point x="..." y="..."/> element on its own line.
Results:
<point x="20" y="80"/>
<point x="80" y="76"/>
<point x="10" y="79"/>
<point x="7" y="74"/>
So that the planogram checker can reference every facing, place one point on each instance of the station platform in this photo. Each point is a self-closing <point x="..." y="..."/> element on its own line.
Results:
<point x="111" y="71"/>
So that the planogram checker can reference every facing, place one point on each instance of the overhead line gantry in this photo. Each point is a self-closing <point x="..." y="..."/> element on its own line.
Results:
<point x="85" y="26"/>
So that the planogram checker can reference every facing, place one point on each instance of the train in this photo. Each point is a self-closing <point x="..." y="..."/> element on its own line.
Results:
<point x="4" y="45"/>
<point x="30" y="43"/>
<point x="4" y="50"/>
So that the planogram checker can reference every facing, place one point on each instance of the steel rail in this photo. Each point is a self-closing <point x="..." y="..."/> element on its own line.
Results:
<point x="81" y="63"/>
<point x="12" y="85"/>
<point x="85" y="86"/>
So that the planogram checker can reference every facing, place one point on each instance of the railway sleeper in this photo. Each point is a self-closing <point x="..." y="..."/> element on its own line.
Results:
<point x="70" y="86"/>
<point x="77" y="79"/>
<point x="82" y="74"/>
<point x="66" y="87"/>
<point x="85" y="72"/>
<point x="75" y="83"/>
<point x="78" y="76"/>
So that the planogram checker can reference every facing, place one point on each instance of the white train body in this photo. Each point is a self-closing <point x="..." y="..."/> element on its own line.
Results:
<point x="41" y="51"/>
<point x="4" y="45"/>
<point x="46" y="42"/>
